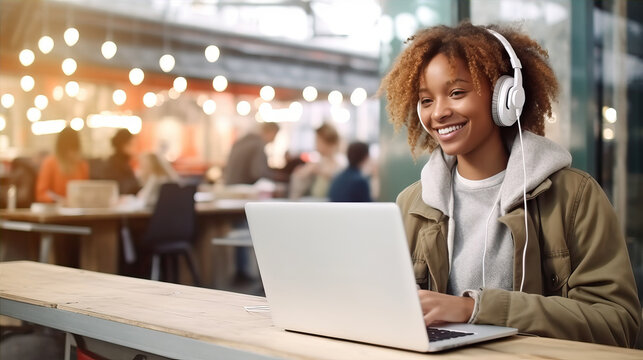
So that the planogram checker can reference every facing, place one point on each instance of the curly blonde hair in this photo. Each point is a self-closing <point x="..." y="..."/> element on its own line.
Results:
<point x="486" y="60"/>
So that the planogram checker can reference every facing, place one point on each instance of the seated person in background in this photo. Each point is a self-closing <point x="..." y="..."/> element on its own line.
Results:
<point x="351" y="185"/>
<point x="23" y="176"/>
<point x="313" y="178"/>
<point x="117" y="166"/>
<point x="154" y="171"/>
<point x="57" y="170"/>
<point x="247" y="161"/>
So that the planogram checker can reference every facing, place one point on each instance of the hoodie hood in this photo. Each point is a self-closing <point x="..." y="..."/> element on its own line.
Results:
<point x="543" y="157"/>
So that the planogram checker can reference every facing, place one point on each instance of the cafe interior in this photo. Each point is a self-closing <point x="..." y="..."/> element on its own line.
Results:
<point x="160" y="91"/>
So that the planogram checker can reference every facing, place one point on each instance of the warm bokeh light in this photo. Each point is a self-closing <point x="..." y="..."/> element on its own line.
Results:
<point x="3" y="123"/>
<point x="212" y="53"/>
<point x="310" y="93"/>
<point x="132" y="123"/>
<point x="72" y="88"/>
<point x="265" y="109"/>
<point x="243" y="108"/>
<point x="358" y="96"/>
<point x="7" y="101"/>
<point x="108" y="49"/>
<point x="167" y="62"/>
<point x="220" y="83"/>
<point x="119" y="97"/>
<point x="26" y="57"/>
<point x="339" y="114"/>
<point x="149" y="99"/>
<point x="608" y="134"/>
<point x="58" y="93"/>
<point x="46" y="44"/>
<point x="209" y="106"/>
<point x="48" y="127"/>
<point x="27" y="83"/>
<point x="267" y="93"/>
<point x="136" y="76"/>
<point x="33" y="114"/>
<point x="296" y="108"/>
<point x="610" y="115"/>
<point x="77" y="123"/>
<point x="69" y="66"/>
<point x="173" y="94"/>
<point x="41" y="102"/>
<point x="335" y="97"/>
<point x="71" y="36"/>
<point x="180" y="84"/>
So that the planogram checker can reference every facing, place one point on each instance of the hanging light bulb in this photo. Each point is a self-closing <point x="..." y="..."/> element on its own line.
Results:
<point x="243" y="108"/>
<point x="358" y="96"/>
<point x="212" y="53"/>
<point x="26" y="57"/>
<point x="27" y="83"/>
<point x="46" y="44"/>
<point x="41" y="102"/>
<point x="7" y="101"/>
<point x="69" y="66"/>
<point x="267" y="93"/>
<point x="166" y="62"/>
<point x="58" y="93"/>
<point x="71" y="36"/>
<point x="180" y="84"/>
<point x="220" y="83"/>
<point x="209" y="106"/>
<point x="72" y="88"/>
<point x="33" y="114"/>
<point x="335" y="97"/>
<point x="119" y="96"/>
<point x="108" y="49"/>
<point x="136" y="76"/>
<point x="149" y="99"/>
<point x="77" y="123"/>
<point x="310" y="93"/>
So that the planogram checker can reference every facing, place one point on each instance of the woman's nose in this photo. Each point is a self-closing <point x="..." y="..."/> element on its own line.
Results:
<point x="441" y="110"/>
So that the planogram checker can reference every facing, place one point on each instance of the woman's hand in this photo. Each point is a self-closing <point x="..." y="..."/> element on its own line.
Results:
<point x="440" y="308"/>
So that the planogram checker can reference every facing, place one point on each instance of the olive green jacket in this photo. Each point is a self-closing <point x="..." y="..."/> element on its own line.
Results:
<point x="579" y="283"/>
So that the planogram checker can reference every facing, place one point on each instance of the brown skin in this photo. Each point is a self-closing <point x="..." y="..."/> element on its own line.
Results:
<point x="440" y="308"/>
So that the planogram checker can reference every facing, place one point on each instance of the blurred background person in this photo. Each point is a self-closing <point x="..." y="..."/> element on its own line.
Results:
<point x="154" y="171"/>
<point x="351" y="185"/>
<point x="247" y="161"/>
<point x="24" y="173"/>
<point x="57" y="170"/>
<point x="118" y="167"/>
<point x="313" y="178"/>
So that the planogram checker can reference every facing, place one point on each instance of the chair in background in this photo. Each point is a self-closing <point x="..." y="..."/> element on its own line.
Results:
<point x="171" y="231"/>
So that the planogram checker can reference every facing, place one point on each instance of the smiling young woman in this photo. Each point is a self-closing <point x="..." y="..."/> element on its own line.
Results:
<point x="489" y="243"/>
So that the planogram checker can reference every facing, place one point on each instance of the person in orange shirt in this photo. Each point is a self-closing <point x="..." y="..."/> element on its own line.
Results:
<point x="58" y="169"/>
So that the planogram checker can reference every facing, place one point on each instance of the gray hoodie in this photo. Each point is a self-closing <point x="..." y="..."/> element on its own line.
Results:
<point x="542" y="158"/>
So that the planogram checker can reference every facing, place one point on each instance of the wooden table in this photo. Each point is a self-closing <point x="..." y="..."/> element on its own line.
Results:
<point x="99" y="249"/>
<point x="194" y="323"/>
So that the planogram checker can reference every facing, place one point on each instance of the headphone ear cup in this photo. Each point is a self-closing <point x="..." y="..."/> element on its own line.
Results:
<point x="501" y="110"/>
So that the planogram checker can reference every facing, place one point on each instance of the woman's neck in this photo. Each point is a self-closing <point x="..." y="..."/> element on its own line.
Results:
<point x="484" y="162"/>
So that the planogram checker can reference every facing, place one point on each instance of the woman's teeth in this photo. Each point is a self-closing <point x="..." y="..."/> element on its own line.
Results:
<point x="449" y="129"/>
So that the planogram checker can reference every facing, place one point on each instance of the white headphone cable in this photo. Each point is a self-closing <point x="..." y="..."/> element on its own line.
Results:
<point x="524" y="199"/>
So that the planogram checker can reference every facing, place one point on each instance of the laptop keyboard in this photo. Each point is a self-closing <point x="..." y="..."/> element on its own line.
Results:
<point x="442" y="334"/>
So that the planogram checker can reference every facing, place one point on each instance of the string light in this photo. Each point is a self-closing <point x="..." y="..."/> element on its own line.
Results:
<point x="26" y="57"/>
<point x="69" y="66"/>
<point x="209" y="106"/>
<point x="136" y="76"/>
<point x="243" y="108"/>
<point x="119" y="96"/>
<point x="267" y="93"/>
<point x="77" y="123"/>
<point x="72" y="88"/>
<point x="46" y="44"/>
<point x="310" y="93"/>
<point x="41" y="102"/>
<point x="108" y="49"/>
<point x="149" y="99"/>
<point x="167" y="62"/>
<point x="33" y="114"/>
<point x="7" y="101"/>
<point x="358" y="96"/>
<point x="180" y="84"/>
<point x="27" y="83"/>
<point x="212" y="53"/>
<point x="220" y="83"/>
<point x="71" y="36"/>
<point x="335" y="97"/>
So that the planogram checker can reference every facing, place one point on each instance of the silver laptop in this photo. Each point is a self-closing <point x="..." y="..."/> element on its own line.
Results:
<point x="343" y="270"/>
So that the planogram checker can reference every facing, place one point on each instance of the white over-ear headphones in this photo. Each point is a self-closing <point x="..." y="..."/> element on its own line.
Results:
<point x="508" y="94"/>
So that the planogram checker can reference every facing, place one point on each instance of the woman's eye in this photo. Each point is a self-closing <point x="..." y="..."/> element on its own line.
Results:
<point x="426" y="102"/>
<point x="457" y="93"/>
